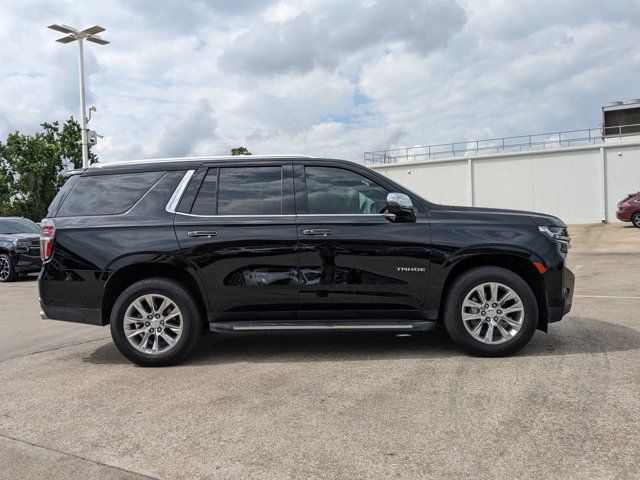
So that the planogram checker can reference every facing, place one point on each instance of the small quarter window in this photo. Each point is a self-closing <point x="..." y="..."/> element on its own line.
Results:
<point x="107" y="194"/>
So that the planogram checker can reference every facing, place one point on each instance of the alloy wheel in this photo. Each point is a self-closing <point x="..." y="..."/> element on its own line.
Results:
<point x="153" y="324"/>
<point x="636" y="221"/>
<point x="5" y="269"/>
<point x="492" y="313"/>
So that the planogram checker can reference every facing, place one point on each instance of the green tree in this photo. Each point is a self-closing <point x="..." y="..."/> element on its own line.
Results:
<point x="240" y="151"/>
<point x="31" y="167"/>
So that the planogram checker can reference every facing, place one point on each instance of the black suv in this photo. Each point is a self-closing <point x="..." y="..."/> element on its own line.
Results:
<point x="19" y="247"/>
<point x="163" y="249"/>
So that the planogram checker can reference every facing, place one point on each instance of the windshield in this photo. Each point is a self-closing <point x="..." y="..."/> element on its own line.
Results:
<point x="18" y="225"/>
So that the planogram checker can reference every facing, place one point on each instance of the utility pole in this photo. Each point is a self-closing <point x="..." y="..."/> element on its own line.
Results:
<point x="89" y="34"/>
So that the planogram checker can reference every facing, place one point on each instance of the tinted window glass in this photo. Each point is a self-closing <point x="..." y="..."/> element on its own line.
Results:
<point x="205" y="203"/>
<point x="60" y="196"/>
<point x="250" y="191"/>
<point x="18" y="225"/>
<point x="338" y="191"/>
<point x="107" y="194"/>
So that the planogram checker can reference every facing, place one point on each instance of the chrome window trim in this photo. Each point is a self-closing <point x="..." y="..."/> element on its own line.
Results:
<point x="358" y="215"/>
<point x="172" y="204"/>
<point x="302" y="215"/>
<point x="232" y="216"/>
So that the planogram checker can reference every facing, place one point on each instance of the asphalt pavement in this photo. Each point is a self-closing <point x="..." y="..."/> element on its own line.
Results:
<point x="335" y="405"/>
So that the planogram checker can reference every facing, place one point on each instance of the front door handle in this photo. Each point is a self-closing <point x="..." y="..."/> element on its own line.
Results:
<point x="318" y="232"/>
<point x="208" y="234"/>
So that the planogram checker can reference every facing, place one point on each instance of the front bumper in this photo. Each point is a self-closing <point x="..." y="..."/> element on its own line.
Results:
<point x="27" y="262"/>
<point x="556" y="312"/>
<point x="624" y="215"/>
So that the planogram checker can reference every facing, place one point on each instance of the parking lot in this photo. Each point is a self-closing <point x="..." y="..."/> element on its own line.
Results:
<point x="335" y="405"/>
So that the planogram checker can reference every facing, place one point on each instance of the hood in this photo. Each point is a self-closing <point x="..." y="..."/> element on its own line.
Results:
<point x="501" y="215"/>
<point x="10" y="237"/>
<point x="630" y="196"/>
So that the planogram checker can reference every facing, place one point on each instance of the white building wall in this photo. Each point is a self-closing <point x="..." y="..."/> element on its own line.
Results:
<point x="623" y="174"/>
<point x="571" y="183"/>
<point x="446" y="181"/>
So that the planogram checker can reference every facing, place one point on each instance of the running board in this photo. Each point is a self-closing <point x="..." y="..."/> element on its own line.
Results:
<point x="239" y="326"/>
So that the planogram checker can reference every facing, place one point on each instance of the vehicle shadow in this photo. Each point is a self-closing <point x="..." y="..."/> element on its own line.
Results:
<point x="573" y="335"/>
<point x="27" y="277"/>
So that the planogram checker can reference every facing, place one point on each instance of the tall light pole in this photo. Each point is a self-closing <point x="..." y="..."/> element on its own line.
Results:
<point x="90" y="35"/>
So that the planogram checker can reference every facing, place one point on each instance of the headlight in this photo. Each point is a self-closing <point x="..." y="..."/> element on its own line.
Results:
<point x="20" y="248"/>
<point x="559" y="235"/>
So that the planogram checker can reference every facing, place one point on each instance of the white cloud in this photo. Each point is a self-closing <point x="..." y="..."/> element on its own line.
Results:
<point x="329" y="77"/>
<point x="182" y="137"/>
<point x="324" y="38"/>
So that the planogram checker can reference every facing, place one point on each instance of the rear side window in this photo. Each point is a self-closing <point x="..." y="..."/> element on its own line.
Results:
<point x="240" y="191"/>
<point x="61" y="195"/>
<point x="107" y="194"/>
<point x="250" y="191"/>
<point x="205" y="203"/>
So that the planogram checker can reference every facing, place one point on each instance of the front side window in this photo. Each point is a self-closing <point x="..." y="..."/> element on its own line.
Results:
<point x="250" y="191"/>
<point x="333" y="190"/>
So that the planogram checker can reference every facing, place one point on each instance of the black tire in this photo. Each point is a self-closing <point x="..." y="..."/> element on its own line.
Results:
<point x="453" y="311"/>
<point x="635" y="220"/>
<point x="191" y="318"/>
<point x="7" y="271"/>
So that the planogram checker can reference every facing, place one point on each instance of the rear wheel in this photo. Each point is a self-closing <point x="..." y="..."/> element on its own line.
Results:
<point x="7" y="272"/>
<point x="491" y="311"/>
<point x="155" y="322"/>
<point x="636" y="220"/>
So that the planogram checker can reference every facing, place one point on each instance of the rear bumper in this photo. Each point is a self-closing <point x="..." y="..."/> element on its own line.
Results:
<point x="76" y="315"/>
<point x="70" y="295"/>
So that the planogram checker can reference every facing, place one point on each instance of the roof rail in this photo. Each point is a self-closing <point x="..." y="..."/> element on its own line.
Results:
<point x="186" y="159"/>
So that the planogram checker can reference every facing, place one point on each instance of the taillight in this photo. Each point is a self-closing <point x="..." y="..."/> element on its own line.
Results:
<point x="47" y="237"/>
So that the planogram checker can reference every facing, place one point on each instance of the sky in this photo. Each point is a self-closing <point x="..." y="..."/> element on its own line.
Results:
<point x="331" y="78"/>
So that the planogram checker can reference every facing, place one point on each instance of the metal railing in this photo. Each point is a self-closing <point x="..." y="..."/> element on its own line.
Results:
<point x="522" y="143"/>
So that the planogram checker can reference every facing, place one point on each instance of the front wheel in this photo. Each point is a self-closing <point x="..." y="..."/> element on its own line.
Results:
<point x="7" y="272"/>
<point x="155" y="322"/>
<point x="636" y="220"/>
<point x="491" y="311"/>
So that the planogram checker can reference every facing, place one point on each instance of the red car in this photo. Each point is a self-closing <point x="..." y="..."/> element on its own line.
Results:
<point x="629" y="209"/>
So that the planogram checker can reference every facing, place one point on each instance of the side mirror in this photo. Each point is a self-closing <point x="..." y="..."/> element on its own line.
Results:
<point x="400" y="205"/>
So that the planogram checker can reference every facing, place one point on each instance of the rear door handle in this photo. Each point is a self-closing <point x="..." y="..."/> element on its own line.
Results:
<point x="202" y="234"/>
<point x="318" y="232"/>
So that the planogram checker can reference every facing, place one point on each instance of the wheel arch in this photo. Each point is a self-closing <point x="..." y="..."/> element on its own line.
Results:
<point x="131" y="273"/>
<point x="522" y="265"/>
